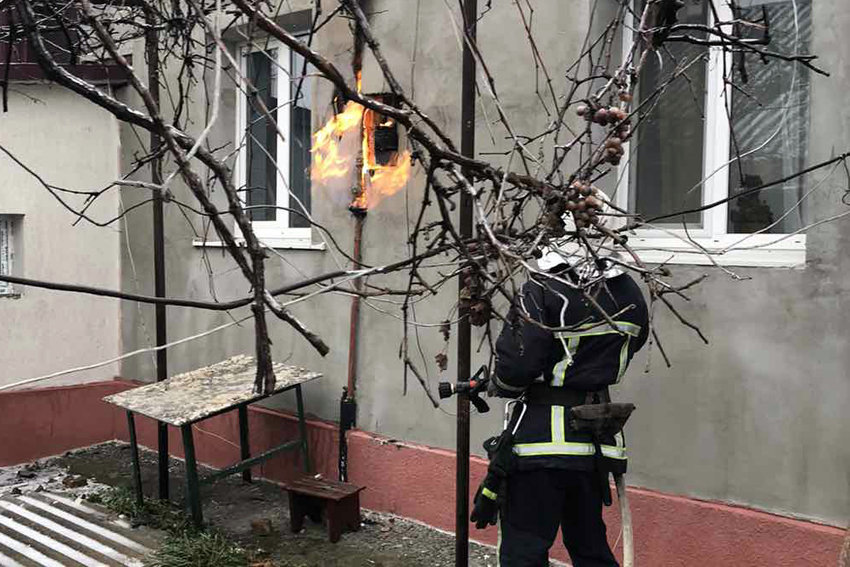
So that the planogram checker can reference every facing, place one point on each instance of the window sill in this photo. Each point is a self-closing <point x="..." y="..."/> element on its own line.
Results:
<point x="276" y="243"/>
<point x="758" y="251"/>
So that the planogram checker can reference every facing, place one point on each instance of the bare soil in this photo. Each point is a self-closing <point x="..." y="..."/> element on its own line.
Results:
<point x="230" y="505"/>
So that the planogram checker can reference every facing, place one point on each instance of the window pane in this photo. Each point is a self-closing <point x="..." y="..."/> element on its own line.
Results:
<point x="770" y="122"/>
<point x="300" y="142"/>
<point x="261" y="178"/>
<point x="667" y="158"/>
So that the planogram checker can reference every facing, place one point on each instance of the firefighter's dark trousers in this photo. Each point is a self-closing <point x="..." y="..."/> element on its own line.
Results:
<point x="541" y="500"/>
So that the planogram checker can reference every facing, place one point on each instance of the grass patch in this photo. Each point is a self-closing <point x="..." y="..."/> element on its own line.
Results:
<point x="185" y="545"/>
<point x="200" y="549"/>
<point x="158" y="514"/>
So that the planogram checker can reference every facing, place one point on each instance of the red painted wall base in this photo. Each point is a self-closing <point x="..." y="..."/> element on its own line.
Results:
<point x="414" y="481"/>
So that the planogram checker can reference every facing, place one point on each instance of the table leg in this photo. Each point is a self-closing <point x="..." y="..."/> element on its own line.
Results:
<point x="163" y="459"/>
<point x="244" y="445"/>
<point x="193" y="495"/>
<point x="302" y="430"/>
<point x="134" y="455"/>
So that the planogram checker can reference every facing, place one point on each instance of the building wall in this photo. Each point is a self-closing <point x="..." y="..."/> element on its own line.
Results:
<point x="72" y="144"/>
<point x="755" y="418"/>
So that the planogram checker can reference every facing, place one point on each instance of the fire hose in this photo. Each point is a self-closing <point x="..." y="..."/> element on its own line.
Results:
<point x="473" y="389"/>
<point x="626" y="521"/>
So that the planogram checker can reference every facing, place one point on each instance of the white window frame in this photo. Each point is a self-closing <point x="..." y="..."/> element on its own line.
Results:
<point x="277" y="233"/>
<point x="670" y="245"/>
<point x="7" y="254"/>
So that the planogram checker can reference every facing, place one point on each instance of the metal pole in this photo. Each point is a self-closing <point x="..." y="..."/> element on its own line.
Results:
<point x="354" y="318"/>
<point x="152" y="54"/>
<point x="244" y="440"/>
<point x="348" y="403"/>
<point x="464" y="338"/>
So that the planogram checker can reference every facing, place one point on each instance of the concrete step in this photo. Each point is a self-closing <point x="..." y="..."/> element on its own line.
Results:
<point x="52" y="530"/>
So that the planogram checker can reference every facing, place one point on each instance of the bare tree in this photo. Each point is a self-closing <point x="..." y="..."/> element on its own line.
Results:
<point x="555" y="189"/>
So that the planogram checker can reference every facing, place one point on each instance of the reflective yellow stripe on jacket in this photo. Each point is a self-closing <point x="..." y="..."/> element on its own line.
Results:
<point x="593" y="330"/>
<point x="568" y="449"/>
<point x="560" y="446"/>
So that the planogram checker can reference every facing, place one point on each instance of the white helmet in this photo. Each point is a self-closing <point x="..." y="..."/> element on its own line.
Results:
<point x="571" y="253"/>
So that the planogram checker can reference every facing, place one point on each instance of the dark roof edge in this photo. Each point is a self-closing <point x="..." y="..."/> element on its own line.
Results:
<point x="97" y="74"/>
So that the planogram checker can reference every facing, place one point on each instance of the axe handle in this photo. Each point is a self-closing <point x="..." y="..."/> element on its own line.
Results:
<point x="626" y="521"/>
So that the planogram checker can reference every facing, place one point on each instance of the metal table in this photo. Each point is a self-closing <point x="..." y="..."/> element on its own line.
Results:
<point x="188" y="398"/>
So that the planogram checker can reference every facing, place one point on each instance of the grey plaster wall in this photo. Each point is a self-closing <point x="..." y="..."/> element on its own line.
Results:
<point x="73" y="144"/>
<point x="757" y="417"/>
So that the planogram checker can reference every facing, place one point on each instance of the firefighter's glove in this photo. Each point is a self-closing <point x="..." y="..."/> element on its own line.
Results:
<point x="489" y="496"/>
<point x="486" y="504"/>
<point x="492" y="388"/>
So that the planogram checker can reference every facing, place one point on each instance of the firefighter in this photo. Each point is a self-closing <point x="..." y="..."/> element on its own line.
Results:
<point x="558" y="352"/>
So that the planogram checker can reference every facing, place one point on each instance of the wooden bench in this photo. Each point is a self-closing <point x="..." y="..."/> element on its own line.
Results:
<point x="312" y="496"/>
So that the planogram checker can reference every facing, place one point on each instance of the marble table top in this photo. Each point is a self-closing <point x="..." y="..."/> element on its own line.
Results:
<point x="198" y="394"/>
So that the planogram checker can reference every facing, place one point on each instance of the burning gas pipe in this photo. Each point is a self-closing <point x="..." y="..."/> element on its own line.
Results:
<point x="382" y="171"/>
<point x="384" y="168"/>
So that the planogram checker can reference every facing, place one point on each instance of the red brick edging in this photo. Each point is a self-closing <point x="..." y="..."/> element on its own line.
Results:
<point x="413" y="480"/>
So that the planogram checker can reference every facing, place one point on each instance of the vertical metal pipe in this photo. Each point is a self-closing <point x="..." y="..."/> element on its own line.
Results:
<point x="152" y="55"/>
<point x="244" y="440"/>
<point x="464" y="337"/>
<point x="348" y="404"/>
<point x="359" y="217"/>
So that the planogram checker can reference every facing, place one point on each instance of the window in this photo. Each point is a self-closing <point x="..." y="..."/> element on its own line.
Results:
<point x="274" y="128"/>
<point x="692" y="127"/>
<point x="8" y="228"/>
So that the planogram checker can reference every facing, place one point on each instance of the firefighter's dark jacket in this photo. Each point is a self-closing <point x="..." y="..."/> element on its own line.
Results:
<point x="586" y="355"/>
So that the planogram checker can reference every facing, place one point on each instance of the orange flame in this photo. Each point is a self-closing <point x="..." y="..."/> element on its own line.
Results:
<point x="379" y="181"/>
<point x="330" y="162"/>
<point x="387" y="180"/>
